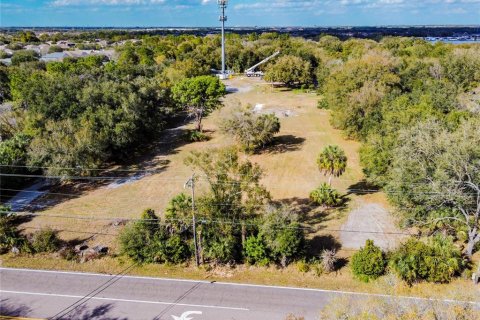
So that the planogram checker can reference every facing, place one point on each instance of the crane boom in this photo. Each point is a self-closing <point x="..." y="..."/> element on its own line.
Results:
<point x="251" y="71"/>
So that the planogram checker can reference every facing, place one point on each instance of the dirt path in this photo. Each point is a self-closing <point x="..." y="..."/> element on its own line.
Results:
<point x="370" y="221"/>
<point x="289" y="164"/>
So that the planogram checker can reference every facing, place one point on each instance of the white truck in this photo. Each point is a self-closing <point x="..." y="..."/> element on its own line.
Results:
<point x="250" y="72"/>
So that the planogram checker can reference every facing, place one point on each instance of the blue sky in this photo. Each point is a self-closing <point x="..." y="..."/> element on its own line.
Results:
<point x="240" y="12"/>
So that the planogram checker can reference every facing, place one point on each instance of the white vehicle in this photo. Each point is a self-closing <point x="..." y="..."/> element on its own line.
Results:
<point x="250" y="72"/>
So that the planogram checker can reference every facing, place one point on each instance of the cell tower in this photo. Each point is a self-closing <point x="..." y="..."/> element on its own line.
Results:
<point x="223" y="5"/>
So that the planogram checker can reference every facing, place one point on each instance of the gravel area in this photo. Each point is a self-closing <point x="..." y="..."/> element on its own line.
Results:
<point x="371" y="221"/>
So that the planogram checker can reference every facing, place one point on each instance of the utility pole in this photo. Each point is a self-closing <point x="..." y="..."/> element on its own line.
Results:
<point x="191" y="183"/>
<point x="223" y="5"/>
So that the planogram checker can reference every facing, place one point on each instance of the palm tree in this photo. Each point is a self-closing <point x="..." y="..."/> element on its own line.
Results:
<point x="332" y="161"/>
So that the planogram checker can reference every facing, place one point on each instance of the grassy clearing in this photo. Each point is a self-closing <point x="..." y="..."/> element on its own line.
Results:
<point x="290" y="174"/>
<point x="289" y="165"/>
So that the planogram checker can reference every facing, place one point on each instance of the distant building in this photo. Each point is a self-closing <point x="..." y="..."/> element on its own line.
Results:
<point x="55" y="56"/>
<point x="59" y="56"/>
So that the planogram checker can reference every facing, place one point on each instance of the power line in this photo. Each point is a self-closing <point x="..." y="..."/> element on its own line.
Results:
<point x="179" y="179"/>
<point x="204" y="220"/>
<point x="92" y="293"/>
<point x="81" y="168"/>
<point x="348" y="190"/>
<point x="74" y="231"/>
<point x="83" y="177"/>
<point x="154" y="171"/>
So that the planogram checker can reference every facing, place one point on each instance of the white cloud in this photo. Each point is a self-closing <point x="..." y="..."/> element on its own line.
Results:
<point x="336" y="4"/>
<point x="65" y="3"/>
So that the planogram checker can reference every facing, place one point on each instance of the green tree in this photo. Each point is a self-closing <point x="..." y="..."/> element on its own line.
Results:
<point x="332" y="161"/>
<point x="355" y="91"/>
<point x="10" y="236"/>
<point x="462" y="67"/>
<point x="66" y="144"/>
<point x="28" y="36"/>
<point x="282" y="234"/>
<point x="437" y="169"/>
<point x="128" y="56"/>
<point x="4" y="84"/>
<point x="188" y="68"/>
<point x="331" y="44"/>
<point x="53" y="49"/>
<point x="21" y="56"/>
<point x="235" y="191"/>
<point x="199" y="96"/>
<point x="14" y="154"/>
<point x="291" y="70"/>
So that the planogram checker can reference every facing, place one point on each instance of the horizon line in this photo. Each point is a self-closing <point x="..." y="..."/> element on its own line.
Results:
<point x="254" y="27"/>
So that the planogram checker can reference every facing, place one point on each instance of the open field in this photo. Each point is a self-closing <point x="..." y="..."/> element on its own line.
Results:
<point x="289" y="166"/>
<point x="84" y="211"/>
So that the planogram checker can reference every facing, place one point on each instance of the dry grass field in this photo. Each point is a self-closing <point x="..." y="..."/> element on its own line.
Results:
<point x="289" y="166"/>
<point x="290" y="174"/>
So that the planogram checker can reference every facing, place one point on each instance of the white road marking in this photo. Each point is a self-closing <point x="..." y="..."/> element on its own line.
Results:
<point x="80" y="273"/>
<point x="185" y="315"/>
<point x="246" y="285"/>
<point x="122" y="300"/>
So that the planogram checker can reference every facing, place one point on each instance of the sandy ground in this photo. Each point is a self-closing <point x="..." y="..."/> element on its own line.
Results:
<point x="370" y="221"/>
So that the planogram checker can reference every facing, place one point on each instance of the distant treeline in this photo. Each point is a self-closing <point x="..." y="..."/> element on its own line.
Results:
<point x="376" y="33"/>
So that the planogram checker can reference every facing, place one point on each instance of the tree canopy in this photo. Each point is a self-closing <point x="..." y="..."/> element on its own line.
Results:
<point x="437" y="172"/>
<point x="291" y="70"/>
<point x="199" y="96"/>
<point x="332" y="161"/>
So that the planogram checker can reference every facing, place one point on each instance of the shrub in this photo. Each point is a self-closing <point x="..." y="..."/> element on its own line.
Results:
<point x="322" y="104"/>
<point x="284" y="237"/>
<point x="9" y="235"/>
<point x="326" y="196"/>
<point x="317" y="268"/>
<point x="137" y="239"/>
<point x="178" y="212"/>
<point x="196" y="136"/>
<point x="369" y="262"/>
<point x="53" y="49"/>
<point x="436" y="261"/>
<point x="148" y="241"/>
<point x="135" y="242"/>
<point x="221" y="248"/>
<point x="329" y="260"/>
<point x="68" y="253"/>
<point x="24" y="56"/>
<point x="255" y="250"/>
<point x="252" y="131"/>
<point x="176" y="249"/>
<point x="45" y="240"/>
<point x="303" y="266"/>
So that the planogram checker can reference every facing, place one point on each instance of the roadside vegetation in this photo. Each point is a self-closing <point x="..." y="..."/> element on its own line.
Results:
<point x="403" y="99"/>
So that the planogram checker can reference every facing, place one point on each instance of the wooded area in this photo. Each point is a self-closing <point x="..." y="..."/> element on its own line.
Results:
<point x="409" y="102"/>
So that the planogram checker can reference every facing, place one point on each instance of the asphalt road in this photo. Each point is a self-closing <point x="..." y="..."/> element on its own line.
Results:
<point x="71" y="295"/>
